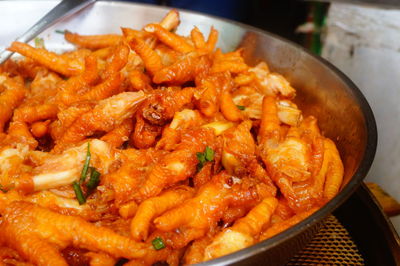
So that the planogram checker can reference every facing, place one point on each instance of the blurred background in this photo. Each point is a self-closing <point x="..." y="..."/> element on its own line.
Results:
<point x="281" y="17"/>
<point x="360" y="37"/>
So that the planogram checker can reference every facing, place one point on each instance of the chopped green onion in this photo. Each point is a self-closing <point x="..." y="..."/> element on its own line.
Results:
<point x="241" y="107"/>
<point x="203" y="157"/>
<point x="39" y="42"/>
<point x="209" y="154"/>
<point x="202" y="160"/>
<point x="158" y="243"/>
<point x="94" y="179"/>
<point x="78" y="193"/>
<point x="86" y="165"/>
<point x="60" y="31"/>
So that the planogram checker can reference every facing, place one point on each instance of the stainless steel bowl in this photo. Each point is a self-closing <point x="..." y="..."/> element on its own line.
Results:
<point x="323" y="91"/>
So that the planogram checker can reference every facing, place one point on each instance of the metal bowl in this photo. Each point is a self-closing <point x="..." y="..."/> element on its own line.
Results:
<point x="343" y="113"/>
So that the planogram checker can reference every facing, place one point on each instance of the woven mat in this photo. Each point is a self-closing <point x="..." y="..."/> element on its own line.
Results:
<point x="333" y="245"/>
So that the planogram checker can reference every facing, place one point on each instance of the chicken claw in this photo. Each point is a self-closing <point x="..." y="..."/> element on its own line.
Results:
<point x="179" y="164"/>
<point x="25" y="227"/>
<point x="155" y="206"/>
<point x="105" y="116"/>
<point x="242" y="234"/>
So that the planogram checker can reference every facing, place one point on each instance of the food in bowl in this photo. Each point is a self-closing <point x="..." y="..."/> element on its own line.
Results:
<point x="150" y="146"/>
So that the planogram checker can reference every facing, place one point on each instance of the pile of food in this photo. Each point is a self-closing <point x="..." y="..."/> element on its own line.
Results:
<point x="151" y="147"/>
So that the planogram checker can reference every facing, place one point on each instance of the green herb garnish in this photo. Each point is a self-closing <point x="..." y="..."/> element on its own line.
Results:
<point x="209" y="154"/>
<point x="78" y="193"/>
<point x="92" y="183"/>
<point x="241" y="107"/>
<point x="85" y="165"/>
<point x="39" y="42"/>
<point x="60" y="31"/>
<point x="158" y="243"/>
<point x="203" y="157"/>
<point x="94" y="179"/>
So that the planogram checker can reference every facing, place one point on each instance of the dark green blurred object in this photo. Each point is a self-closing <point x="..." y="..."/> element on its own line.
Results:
<point x="319" y="17"/>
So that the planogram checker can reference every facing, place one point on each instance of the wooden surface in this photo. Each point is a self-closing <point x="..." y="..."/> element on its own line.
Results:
<point x="390" y="206"/>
